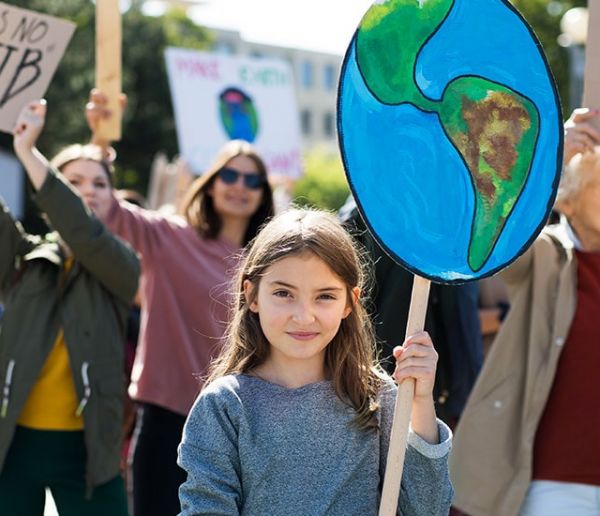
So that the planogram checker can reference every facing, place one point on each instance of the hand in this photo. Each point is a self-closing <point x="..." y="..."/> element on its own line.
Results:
<point x="28" y="127"/>
<point x="580" y="134"/>
<point x="96" y="111"/>
<point x="417" y="359"/>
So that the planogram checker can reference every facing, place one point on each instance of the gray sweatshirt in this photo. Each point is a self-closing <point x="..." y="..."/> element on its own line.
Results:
<point x="255" y="448"/>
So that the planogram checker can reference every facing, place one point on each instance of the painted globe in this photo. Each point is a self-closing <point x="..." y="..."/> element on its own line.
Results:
<point x="450" y="131"/>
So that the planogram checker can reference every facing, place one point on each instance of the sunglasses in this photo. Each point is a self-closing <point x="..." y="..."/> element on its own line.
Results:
<point x="230" y="176"/>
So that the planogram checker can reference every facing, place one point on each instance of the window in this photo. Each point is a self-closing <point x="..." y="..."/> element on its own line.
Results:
<point x="329" y="77"/>
<point x="306" y="74"/>
<point x="306" y="121"/>
<point x="224" y="47"/>
<point x="328" y="125"/>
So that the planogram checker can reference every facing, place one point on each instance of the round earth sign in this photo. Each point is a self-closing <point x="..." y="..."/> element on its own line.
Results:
<point x="451" y="134"/>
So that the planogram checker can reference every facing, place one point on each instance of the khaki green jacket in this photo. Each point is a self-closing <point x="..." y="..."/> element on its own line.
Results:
<point x="91" y="304"/>
<point x="491" y="460"/>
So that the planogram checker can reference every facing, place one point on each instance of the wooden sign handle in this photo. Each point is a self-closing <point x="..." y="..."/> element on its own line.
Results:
<point x="108" y="66"/>
<point x="591" y="78"/>
<point x="403" y="408"/>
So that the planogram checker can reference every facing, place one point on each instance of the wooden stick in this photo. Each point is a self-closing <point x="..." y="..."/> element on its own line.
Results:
<point x="591" y="78"/>
<point x="403" y="408"/>
<point x="108" y="66"/>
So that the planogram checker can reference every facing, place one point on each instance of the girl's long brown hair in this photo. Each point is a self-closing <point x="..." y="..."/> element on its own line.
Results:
<point x="197" y="206"/>
<point x="350" y="356"/>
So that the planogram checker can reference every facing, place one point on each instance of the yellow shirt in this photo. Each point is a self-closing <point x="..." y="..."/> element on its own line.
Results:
<point x="52" y="402"/>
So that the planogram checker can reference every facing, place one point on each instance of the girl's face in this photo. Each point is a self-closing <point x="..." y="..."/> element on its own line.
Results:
<point x="232" y="197"/>
<point x="90" y="180"/>
<point x="300" y="303"/>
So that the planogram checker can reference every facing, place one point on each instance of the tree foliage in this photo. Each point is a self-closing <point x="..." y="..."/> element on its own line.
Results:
<point x="544" y="17"/>
<point x="324" y="183"/>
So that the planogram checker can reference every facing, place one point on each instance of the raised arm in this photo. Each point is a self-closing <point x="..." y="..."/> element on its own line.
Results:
<point x="25" y="135"/>
<point x="143" y="229"/>
<point x="580" y="134"/>
<point x="109" y="259"/>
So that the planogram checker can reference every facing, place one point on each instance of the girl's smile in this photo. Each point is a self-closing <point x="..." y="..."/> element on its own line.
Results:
<point x="302" y="335"/>
<point x="300" y="303"/>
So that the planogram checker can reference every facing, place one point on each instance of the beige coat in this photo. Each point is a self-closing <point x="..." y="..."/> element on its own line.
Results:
<point x="491" y="460"/>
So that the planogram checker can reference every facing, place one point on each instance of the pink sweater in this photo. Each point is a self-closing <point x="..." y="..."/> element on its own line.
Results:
<point x="185" y="285"/>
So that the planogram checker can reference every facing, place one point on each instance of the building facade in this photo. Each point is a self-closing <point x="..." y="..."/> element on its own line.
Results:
<point x="316" y="76"/>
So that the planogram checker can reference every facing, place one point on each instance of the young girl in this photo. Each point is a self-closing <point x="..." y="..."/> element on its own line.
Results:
<point x="67" y="296"/>
<point x="295" y="418"/>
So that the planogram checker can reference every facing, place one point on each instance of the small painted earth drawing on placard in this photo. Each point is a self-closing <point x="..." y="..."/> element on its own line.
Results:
<point x="445" y="110"/>
<point x="238" y="114"/>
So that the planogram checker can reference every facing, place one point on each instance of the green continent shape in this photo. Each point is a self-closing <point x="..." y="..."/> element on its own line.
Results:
<point x="495" y="130"/>
<point x="249" y="107"/>
<point x="389" y="38"/>
<point x="224" y="116"/>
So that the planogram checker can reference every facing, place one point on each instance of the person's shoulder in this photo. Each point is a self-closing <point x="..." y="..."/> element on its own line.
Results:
<point x="555" y="240"/>
<point x="227" y="386"/>
<point x="220" y="395"/>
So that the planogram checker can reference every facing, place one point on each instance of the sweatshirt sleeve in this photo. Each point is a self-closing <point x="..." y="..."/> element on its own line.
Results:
<point x="209" y="454"/>
<point x="14" y="242"/>
<point x="145" y="230"/>
<point x="425" y="489"/>
<point x="102" y="254"/>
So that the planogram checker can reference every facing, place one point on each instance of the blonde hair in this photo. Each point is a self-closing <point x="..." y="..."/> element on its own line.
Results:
<point x="350" y="356"/>
<point x="87" y="152"/>
<point x="197" y="206"/>
<point x="573" y="178"/>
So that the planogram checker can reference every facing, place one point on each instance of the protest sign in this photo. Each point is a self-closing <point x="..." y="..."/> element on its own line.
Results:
<point x="451" y="136"/>
<point x="31" y="46"/>
<point x="218" y="97"/>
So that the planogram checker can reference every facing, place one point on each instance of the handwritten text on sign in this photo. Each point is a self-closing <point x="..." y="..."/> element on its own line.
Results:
<point x="31" y="46"/>
<point x="219" y="97"/>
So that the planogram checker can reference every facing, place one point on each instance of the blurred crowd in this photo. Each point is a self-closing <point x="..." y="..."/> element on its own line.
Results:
<point x="128" y="291"/>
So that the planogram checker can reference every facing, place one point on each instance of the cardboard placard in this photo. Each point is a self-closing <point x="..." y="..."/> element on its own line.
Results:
<point x="591" y="84"/>
<point x="219" y="97"/>
<point x="31" y="46"/>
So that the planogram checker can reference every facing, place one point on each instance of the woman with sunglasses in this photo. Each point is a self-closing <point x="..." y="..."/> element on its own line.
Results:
<point x="186" y="269"/>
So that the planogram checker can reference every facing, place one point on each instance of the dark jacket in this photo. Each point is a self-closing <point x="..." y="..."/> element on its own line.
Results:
<point x="91" y="305"/>
<point x="452" y="321"/>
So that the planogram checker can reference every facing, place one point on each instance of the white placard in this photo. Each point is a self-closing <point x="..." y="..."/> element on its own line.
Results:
<point x="31" y="46"/>
<point x="218" y="97"/>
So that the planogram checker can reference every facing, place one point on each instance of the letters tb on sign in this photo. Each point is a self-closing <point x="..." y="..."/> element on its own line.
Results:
<point x="31" y="46"/>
